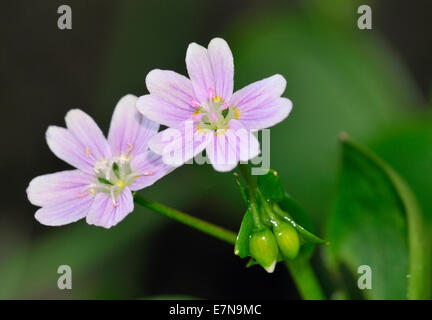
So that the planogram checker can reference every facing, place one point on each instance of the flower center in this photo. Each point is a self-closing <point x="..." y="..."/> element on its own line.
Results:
<point x="112" y="176"/>
<point x="214" y="114"/>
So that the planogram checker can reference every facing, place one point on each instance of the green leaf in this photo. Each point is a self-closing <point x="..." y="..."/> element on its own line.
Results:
<point x="271" y="186"/>
<point x="307" y="235"/>
<point x="272" y="189"/>
<point x="375" y="221"/>
<point x="296" y="212"/>
<point x="407" y="147"/>
<point x="241" y="247"/>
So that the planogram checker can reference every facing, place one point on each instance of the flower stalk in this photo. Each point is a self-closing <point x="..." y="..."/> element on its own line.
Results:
<point x="201" y="225"/>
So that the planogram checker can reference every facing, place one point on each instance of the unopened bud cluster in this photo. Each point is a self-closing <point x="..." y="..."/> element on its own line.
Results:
<point x="273" y="240"/>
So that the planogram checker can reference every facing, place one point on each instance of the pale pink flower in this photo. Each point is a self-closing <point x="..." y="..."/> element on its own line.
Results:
<point x="220" y="121"/>
<point x="108" y="170"/>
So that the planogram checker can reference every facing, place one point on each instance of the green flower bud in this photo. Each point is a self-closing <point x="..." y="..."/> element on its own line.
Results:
<point x="287" y="239"/>
<point x="264" y="249"/>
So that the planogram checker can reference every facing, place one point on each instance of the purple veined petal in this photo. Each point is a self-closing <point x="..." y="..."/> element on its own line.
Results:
<point x="161" y="111"/>
<point x="58" y="187"/>
<point x="200" y="71"/>
<point x="247" y="145"/>
<point x="64" y="212"/>
<point x="231" y="145"/>
<point x="66" y="147"/>
<point x="222" y="153"/>
<point x="267" y="115"/>
<point x="255" y="97"/>
<point x="104" y="213"/>
<point x="173" y="88"/>
<point x="87" y="132"/>
<point x="130" y="130"/>
<point x="151" y="168"/>
<point x="180" y="144"/>
<point x="222" y="63"/>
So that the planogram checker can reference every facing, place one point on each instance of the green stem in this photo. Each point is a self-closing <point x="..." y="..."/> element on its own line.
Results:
<point x="305" y="279"/>
<point x="188" y="220"/>
<point x="251" y="187"/>
<point x="246" y="172"/>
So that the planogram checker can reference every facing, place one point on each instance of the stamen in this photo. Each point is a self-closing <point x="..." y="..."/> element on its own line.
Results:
<point x="81" y="195"/>
<point x="115" y="204"/>
<point x="236" y="113"/>
<point x="211" y="93"/>
<point x="87" y="151"/>
<point x="130" y="147"/>
<point x="197" y="117"/>
<point x="148" y="173"/>
<point x="217" y="99"/>
<point x="197" y="110"/>
<point x="199" y="129"/>
<point x="214" y="116"/>
<point x="195" y="103"/>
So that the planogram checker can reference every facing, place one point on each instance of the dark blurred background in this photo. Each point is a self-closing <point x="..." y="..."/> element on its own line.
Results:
<point x="374" y="84"/>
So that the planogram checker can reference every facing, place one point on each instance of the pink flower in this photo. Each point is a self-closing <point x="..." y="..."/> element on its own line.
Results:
<point x="100" y="189"/>
<point x="203" y="112"/>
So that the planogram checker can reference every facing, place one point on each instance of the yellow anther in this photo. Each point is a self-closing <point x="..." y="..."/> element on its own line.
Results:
<point x="197" y="110"/>
<point x="201" y="130"/>
<point x="87" y="151"/>
<point x="236" y="113"/>
<point x="217" y="99"/>
<point x="92" y="191"/>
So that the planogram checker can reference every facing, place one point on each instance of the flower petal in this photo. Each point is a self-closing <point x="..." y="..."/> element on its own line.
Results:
<point x="221" y="154"/>
<point x="151" y="167"/>
<point x="231" y="145"/>
<point x="58" y="187"/>
<point x="66" y="211"/>
<point x="246" y="144"/>
<point x="129" y="130"/>
<point x="267" y="116"/>
<point x="258" y="97"/>
<point x="180" y="144"/>
<point x="222" y="63"/>
<point x="200" y="71"/>
<point x="87" y="132"/>
<point x="66" y="147"/>
<point x="175" y="89"/>
<point x="161" y="111"/>
<point x="105" y="214"/>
